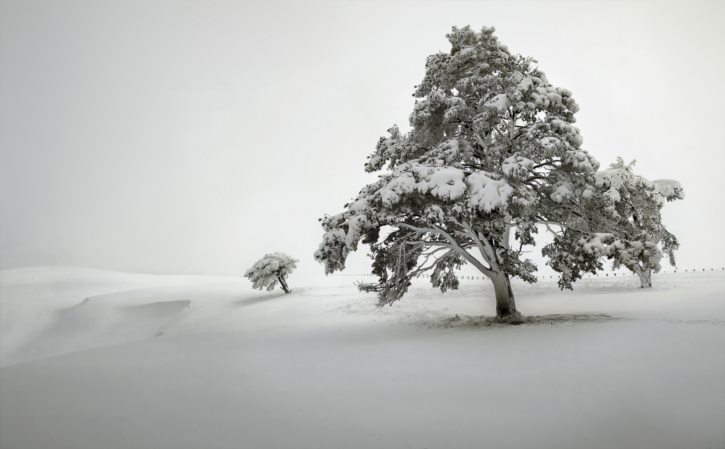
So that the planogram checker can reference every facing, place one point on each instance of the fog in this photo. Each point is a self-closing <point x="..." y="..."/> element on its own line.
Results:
<point x="193" y="137"/>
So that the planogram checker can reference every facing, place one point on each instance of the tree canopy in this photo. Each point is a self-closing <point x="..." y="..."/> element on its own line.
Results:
<point x="622" y="223"/>
<point x="492" y="147"/>
<point x="271" y="269"/>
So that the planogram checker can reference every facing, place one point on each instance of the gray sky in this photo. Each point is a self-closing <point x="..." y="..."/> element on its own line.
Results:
<point x="193" y="137"/>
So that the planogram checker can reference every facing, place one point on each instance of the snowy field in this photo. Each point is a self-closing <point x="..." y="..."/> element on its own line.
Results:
<point x="102" y="360"/>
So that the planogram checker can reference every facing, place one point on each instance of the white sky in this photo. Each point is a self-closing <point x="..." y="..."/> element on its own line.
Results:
<point x="193" y="137"/>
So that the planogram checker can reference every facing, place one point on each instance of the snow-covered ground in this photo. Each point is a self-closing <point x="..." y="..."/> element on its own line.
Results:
<point x="95" y="359"/>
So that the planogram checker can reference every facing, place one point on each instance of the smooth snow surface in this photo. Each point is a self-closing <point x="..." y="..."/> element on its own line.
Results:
<point x="94" y="359"/>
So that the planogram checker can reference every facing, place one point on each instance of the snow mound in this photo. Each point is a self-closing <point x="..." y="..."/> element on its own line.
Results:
<point x="103" y="320"/>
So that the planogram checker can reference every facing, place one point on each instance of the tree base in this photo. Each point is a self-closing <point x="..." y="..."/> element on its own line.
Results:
<point x="645" y="278"/>
<point x="283" y="284"/>
<point x="513" y="319"/>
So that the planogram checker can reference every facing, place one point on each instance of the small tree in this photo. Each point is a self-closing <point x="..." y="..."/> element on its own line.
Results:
<point x="635" y="205"/>
<point x="492" y="151"/>
<point x="622" y="222"/>
<point x="270" y="269"/>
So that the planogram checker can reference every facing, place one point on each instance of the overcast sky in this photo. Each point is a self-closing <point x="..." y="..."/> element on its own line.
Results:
<point x="193" y="137"/>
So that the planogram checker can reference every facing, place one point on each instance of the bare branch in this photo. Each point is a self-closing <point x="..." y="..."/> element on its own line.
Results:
<point x="454" y="244"/>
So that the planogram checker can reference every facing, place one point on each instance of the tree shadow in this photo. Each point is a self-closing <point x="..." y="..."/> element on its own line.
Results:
<point x="259" y="299"/>
<point x="473" y="322"/>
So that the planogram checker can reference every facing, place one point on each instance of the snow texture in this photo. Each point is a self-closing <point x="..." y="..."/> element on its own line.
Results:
<point x="93" y="359"/>
<point x="669" y="189"/>
<point x="488" y="194"/>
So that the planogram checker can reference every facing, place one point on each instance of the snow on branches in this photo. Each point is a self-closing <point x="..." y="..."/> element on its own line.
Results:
<point x="491" y="154"/>
<point x="492" y="148"/>
<point x="621" y="221"/>
<point x="669" y="189"/>
<point x="271" y="269"/>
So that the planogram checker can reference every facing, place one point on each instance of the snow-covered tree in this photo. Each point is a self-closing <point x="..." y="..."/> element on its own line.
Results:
<point x="491" y="152"/>
<point x="635" y="203"/>
<point x="270" y="269"/>
<point x="621" y="221"/>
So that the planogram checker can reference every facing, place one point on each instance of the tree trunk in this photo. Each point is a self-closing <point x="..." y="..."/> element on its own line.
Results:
<point x="283" y="283"/>
<point x="645" y="277"/>
<point x="505" y="304"/>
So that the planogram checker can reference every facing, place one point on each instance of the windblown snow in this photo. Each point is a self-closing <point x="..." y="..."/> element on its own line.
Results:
<point x="95" y="359"/>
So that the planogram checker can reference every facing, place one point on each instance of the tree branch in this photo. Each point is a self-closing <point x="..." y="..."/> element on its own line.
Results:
<point x="455" y="245"/>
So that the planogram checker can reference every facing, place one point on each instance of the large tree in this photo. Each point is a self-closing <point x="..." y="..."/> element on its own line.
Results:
<point x="491" y="152"/>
